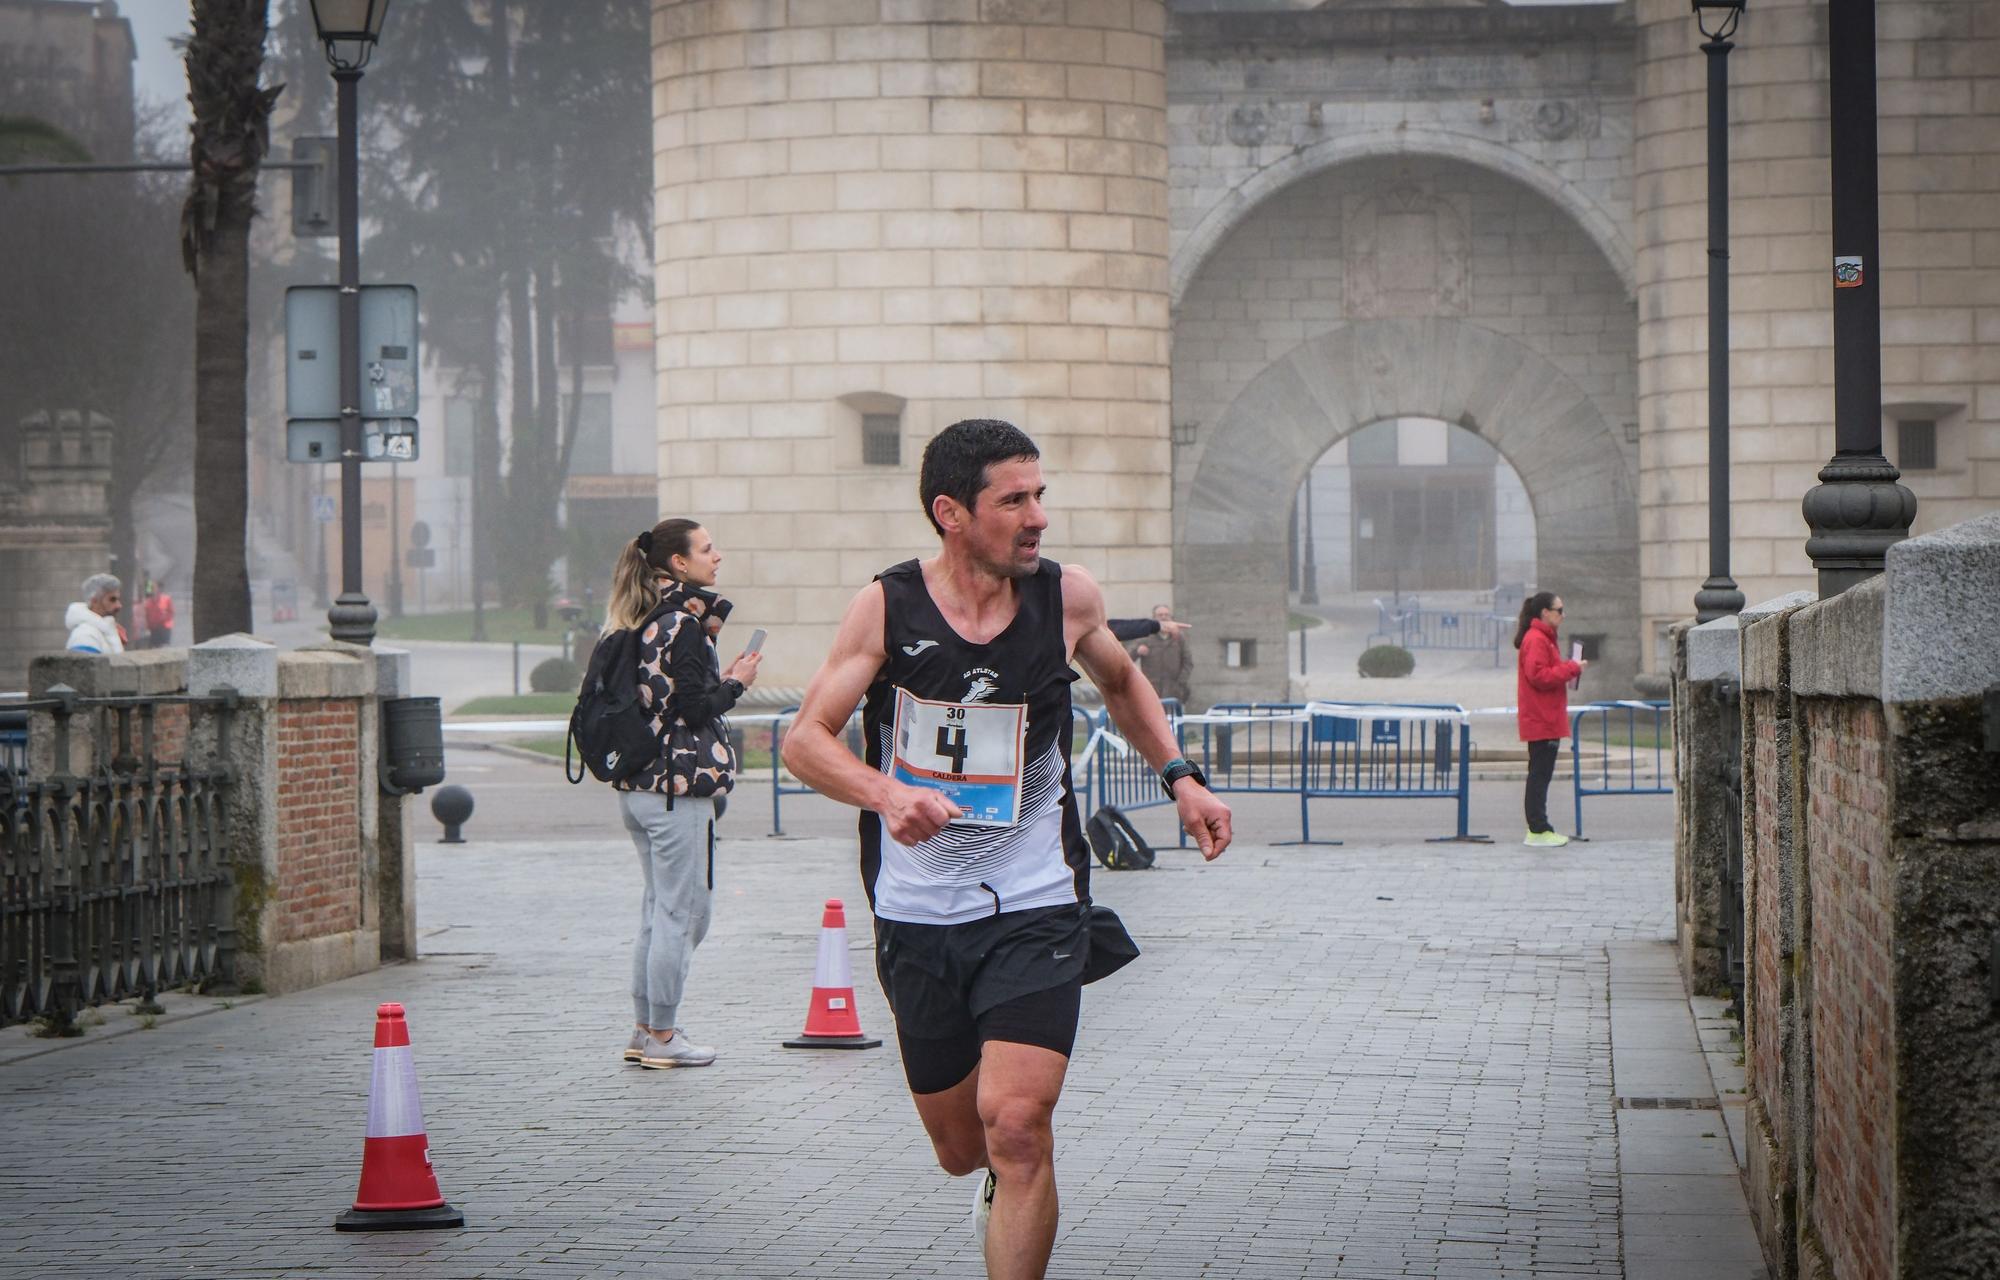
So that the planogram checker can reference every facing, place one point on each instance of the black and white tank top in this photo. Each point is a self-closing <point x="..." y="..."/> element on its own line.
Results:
<point x="991" y="724"/>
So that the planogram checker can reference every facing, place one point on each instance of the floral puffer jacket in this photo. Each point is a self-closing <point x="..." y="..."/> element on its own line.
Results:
<point x="680" y="680"/>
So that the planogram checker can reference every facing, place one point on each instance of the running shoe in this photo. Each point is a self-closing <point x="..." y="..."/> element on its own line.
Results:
<point x="635" y="1048"/>
<point x="1546" y="840"/>
<point x="982" y="1207"/>
<point x="678" y="1051"/>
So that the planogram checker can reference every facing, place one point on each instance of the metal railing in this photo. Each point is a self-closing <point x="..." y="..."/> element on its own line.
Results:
<point x="1466" y="630"/>
<point x="1620" y="749"/>
<point x="1400" y="754"/>
<point x="116" y="881"/>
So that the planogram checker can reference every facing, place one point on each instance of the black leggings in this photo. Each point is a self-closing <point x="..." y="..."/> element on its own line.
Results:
<point x="1541" y="768"/>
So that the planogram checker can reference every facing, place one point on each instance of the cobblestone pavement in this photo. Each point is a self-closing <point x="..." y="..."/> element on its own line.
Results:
<point x="1389" y="1059"/>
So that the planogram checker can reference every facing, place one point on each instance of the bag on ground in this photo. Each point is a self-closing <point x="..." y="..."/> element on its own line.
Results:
<point x="1117" y="844"/>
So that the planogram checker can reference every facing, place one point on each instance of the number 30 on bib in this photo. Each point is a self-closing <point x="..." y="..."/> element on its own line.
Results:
<point x="971" y="752"/>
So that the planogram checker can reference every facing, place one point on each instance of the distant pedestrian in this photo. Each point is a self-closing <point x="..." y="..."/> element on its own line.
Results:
<point x="93" y="620"/>
<point x="1542" y="704"/>
<point x="159" y="611"/>
<point x="1165" y="660"/>
<point x="670" y="806"/>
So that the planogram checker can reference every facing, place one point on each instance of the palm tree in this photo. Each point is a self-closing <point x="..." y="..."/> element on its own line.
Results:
<point x="232" y="112"/>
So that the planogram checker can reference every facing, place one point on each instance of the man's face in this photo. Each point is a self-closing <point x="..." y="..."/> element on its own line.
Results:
<point x="1162" y="613"/>
<point x="1003" y="532"/>
<point x="107" y="604"/>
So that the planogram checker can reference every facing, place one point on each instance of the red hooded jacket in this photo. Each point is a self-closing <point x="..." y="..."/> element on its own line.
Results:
<point x="1540" y="685"/>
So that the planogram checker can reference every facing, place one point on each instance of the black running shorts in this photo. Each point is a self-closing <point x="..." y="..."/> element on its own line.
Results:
<point x="1016" y="977"/>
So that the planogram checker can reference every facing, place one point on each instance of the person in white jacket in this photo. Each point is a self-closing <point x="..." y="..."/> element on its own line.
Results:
<point x="93" y="620"/>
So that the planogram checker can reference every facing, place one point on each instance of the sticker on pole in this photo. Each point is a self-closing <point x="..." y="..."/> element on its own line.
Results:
<point x="1847" y="273"/>
<point x="969" y="751"/>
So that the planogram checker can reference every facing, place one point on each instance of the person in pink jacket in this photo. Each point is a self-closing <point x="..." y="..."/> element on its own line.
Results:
<point x="1541" y="700"/>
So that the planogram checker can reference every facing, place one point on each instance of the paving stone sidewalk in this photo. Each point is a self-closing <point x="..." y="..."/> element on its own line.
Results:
<point x="1381" y="1060"/>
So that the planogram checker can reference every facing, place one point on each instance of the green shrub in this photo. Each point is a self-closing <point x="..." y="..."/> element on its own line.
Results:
<point x="1387" y="662"/>
<point x="555" y="675"/>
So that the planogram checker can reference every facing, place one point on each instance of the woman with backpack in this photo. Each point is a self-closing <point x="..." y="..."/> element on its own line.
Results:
<point x="1542" y="705"/>
<point x="663" y="587"/>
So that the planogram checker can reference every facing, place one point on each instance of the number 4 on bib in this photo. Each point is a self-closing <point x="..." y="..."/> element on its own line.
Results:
<point x="970" y="752"/>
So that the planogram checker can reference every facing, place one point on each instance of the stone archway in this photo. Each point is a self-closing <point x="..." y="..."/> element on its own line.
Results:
<point x="1243" y="201"/>
<point x="1230" y="541"/>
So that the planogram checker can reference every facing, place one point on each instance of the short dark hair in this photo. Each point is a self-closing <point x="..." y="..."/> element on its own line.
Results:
<point x="956" y="459"/>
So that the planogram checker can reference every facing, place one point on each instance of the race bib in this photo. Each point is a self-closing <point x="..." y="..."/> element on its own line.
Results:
<point x="970" y="752"/>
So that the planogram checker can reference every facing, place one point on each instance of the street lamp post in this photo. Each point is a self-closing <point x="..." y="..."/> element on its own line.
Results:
<point x="349" y="29"/>
<point x="1719" y="596"/>
<point x="1858" y="510"/>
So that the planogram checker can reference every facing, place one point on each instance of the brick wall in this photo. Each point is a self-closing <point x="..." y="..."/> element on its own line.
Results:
<point x="1846" y="828"/>
<point x="1766" y="988"/>
<point x="318" y="888"/>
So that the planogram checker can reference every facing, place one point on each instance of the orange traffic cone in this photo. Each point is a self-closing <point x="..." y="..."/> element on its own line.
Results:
<point x="831" y="1022"/>
<point x="398" y="1190"/>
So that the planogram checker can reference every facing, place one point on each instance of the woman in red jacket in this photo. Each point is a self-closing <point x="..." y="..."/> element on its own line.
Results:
<point x="1541" y="679"/>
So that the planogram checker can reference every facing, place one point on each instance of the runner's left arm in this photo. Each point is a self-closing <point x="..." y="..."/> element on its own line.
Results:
<point x="1135" y="708"/>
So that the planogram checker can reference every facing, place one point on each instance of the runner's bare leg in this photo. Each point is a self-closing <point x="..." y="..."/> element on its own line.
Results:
<point x="1018" y="1087"/>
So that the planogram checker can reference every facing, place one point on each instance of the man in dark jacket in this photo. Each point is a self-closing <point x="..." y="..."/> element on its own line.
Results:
<point x="1165" y="659"/>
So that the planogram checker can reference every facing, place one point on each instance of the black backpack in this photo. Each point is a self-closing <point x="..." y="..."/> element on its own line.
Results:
<point x="1117" y="844"/>
<point x="611" y="729"/>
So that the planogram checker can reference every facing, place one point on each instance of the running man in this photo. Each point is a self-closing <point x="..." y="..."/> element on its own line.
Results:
<point x="972" y="848"/>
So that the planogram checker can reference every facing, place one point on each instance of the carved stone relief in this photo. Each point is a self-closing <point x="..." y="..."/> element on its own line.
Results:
<point x="1406" y="251"/>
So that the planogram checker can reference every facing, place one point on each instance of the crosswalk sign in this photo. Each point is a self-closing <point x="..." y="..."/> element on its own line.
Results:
<point x="324" y="511"/>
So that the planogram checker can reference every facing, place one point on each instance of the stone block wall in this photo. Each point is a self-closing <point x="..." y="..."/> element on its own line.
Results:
<point x="920" y="213"/>
<point x="1871" y="830"/>
<point x="1938" y="69"/>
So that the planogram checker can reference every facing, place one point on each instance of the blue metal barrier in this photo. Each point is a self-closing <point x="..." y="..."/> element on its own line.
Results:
<point x="1356" y="756"/>
<point x="1254" y="757"/>
<point x="1123" y="778"/>
<point x="778" y="788"/>
<point x="1628" y="754"/>
<point x="1468" y="630"/>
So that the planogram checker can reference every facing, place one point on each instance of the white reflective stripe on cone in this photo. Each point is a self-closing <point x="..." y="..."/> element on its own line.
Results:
<point x="832" y="969"/>
<point x="394" y="1108"/>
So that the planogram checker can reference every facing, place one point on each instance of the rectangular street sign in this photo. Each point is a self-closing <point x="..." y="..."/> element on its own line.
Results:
<point x="382" y="440"/>
<point x="388" y="351"/>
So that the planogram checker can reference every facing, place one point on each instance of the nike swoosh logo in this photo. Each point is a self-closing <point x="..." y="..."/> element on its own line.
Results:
<point x="1059" y="955"/>
<point x="914" y="649"/>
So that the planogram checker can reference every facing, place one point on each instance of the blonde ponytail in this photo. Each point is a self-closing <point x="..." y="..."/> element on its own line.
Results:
<point x="635" y="590"/>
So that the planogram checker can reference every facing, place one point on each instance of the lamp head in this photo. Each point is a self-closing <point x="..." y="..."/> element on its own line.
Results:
<point x="1718" y="18"/>
<point x="349" y="29"/>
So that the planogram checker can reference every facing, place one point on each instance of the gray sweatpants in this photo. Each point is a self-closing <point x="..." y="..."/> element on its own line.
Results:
<point x="676" y="858"/>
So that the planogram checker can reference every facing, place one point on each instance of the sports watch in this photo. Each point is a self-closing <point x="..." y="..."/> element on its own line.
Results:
<point x="1178" y="768"/>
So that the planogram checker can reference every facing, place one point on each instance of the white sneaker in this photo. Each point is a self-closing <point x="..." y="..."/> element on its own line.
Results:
<point x="678" y="1051"/>
<point x="635" y="1048"/>
<point x="982" y="1207"/>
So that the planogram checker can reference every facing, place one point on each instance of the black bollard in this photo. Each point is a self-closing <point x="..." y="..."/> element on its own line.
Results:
<point x="452" y="806"/>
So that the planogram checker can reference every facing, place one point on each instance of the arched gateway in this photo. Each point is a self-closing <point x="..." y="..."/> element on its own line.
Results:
<point x="1231" y="533"/>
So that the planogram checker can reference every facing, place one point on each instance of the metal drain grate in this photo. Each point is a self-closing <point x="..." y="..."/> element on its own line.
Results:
<point x="1669" y="1104"/>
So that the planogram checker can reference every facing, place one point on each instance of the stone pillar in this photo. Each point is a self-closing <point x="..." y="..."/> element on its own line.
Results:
<point x="1706" y="720"/>
<point x="893" y="216"/>
<point x="302" y="815"/>
<point x="54" y="532"/>
<point x="1941" y="258"/>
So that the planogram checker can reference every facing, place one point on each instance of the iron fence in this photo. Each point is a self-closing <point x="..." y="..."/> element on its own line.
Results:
<point x="117" y="881"/>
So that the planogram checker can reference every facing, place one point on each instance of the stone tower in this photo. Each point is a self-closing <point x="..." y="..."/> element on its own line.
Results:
<point x="876" y="217"/>
<point x="1940" y="275"/>
<point x="54" y="471"/>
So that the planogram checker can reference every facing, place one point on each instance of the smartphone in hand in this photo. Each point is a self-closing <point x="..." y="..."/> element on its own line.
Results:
<point x="756" y="640"/>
